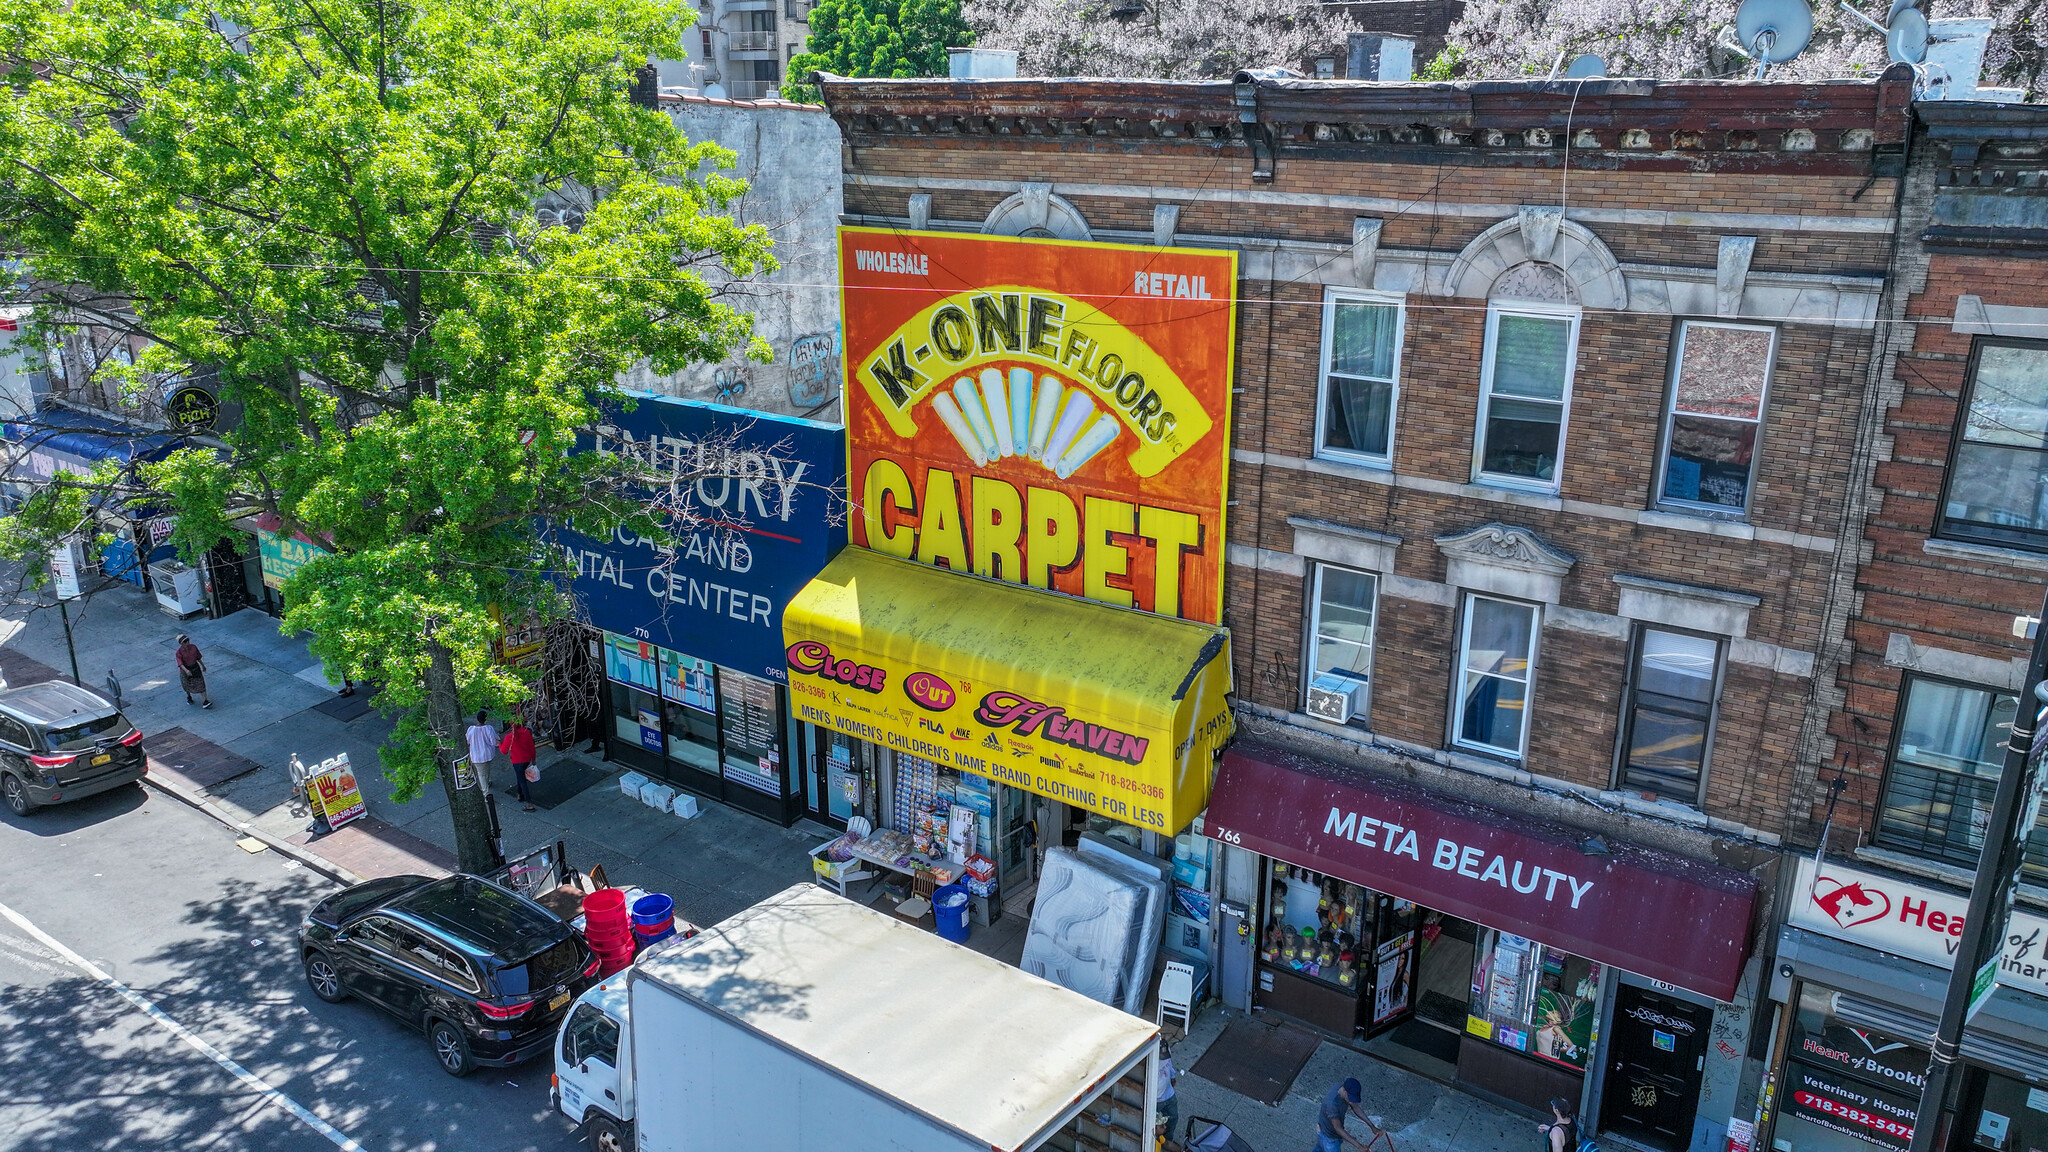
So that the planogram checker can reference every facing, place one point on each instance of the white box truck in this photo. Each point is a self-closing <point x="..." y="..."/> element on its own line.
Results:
<point x="809" y="1023"/>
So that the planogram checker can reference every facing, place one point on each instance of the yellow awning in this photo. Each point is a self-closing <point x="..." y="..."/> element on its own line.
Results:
<point x="1114" y="710"/>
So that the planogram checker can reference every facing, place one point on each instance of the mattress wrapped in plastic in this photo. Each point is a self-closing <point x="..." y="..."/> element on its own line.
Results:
<point x="1095" y="928"/>
<point x="1154" y="875"/>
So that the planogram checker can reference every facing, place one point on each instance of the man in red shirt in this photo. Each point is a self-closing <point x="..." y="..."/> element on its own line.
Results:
<point x="518" y="748"/>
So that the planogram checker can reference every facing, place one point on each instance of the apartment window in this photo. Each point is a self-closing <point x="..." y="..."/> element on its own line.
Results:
<point x="1340" y="631"/>
<point x="1670" y="713"/>
<point x="1998" y="472"/>
<point x="1718" y="378"/>
<point x="1528" y="375"/>
<point x="1949" y="746"/>
<point x="760" y="21"/>
<point x="1496" y="661"/>
<point x="1361" y="356"/>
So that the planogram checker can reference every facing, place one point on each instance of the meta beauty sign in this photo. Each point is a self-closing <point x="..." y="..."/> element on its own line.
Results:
<point x="1046" y="412"/>
<point x="759" y="496"/>
<point x="1682" y="921"/>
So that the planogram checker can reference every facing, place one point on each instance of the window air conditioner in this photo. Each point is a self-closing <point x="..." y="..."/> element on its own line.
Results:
<point x="1335" y="697"/>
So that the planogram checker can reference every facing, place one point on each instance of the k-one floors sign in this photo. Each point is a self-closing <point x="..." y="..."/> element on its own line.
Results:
<point x="1912" y="921"/>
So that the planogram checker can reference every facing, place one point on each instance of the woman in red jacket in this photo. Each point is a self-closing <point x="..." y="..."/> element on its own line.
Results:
<point x="518" y="748"/>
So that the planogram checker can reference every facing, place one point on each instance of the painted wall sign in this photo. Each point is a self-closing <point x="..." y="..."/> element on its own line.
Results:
<point x="1911" y="920"/>
<point x="283" y="555"/>
<point x="1045" y="412"/>
<point x="764" y="490"/>
<point x="1666" y="917"/>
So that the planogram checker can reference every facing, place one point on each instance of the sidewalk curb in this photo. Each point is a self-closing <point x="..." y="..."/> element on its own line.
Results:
<point x="313" y="860"/>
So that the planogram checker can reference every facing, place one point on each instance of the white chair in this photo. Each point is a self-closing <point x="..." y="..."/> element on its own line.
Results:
<point x="837" y="874"/>
<point x="1177" y="994"/>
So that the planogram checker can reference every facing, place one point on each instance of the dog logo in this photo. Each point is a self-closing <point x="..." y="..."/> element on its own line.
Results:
<point x="1850" y="904"/>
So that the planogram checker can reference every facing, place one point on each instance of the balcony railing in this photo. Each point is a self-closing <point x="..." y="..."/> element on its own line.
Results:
<point x="753" y="89"/>
<point x="753" y="42"/>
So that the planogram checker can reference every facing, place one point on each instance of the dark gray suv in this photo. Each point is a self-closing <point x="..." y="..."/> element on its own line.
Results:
<point x="60" y="742"/>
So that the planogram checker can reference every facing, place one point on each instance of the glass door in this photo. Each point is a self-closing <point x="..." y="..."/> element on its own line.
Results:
<point x="1390" y="971"/>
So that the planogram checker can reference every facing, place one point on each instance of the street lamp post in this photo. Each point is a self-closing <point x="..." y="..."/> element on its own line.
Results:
<point x="1982" y="945"/>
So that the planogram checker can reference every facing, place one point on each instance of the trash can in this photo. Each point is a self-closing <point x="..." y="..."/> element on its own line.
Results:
<point x="949" y="908"/>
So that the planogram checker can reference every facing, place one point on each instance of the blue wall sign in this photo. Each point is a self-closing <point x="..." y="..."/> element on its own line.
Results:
<point x="762" y="499"/>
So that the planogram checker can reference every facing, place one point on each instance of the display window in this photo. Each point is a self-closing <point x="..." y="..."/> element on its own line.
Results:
<point x="2005" y="1114"/>
<point x="750" y="723"/>
<point x="1314" y="926"/>
<point x="1537" y="1000"/>
<point x="706" y="724"/>
<point x="1846" y="1087"/>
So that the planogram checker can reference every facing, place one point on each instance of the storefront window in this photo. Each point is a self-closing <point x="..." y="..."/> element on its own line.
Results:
<point x="1846" y="1087"/>
<point x="750" y="722"/>
<point x="1534" y="999"/>
<point x="2007" y="1115"/>
<point x="630" y="661"/>
<point x="1316" y="924"/>
<point x="636" y="717"/>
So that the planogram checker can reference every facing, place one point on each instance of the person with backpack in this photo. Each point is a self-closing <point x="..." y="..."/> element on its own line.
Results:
<point x="1562" y="1133"/>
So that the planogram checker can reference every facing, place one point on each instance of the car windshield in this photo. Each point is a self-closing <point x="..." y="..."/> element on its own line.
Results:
<point x="79" y="737"/>
<point x="553" y="965"/>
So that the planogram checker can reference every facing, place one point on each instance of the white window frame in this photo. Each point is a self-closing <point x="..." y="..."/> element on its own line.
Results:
<point x="1696" y="507"/>
<point x="1332" y="297"/>
<point x="1315" y="621"/>
<point x="1572" y="315"/>
<point x="1463" y="666"/>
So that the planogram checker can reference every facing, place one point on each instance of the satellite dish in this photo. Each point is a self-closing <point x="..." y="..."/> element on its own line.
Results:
<point x="1586" y="67"/>
<point x="1905" y="40"/>
<point x="1773" y="31"/>
<point x="1899" y="6"/>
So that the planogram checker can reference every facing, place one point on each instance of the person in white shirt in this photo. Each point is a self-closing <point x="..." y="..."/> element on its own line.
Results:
<point x="483" y="748"/>
<point x="1169" y="1107"/>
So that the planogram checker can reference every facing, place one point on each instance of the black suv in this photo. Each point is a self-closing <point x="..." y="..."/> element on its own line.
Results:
<point x="484" y="972"/>
<point x="61" y="742"/>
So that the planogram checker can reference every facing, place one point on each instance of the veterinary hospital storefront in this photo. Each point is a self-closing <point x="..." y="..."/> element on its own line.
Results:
<point x="695" y="689"/>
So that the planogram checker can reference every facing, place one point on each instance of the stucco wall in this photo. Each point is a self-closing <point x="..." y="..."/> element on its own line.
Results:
<point x="790" y="157"/>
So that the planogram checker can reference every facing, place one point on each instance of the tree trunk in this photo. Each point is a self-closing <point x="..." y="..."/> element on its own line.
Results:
<point x="474" y="850"/>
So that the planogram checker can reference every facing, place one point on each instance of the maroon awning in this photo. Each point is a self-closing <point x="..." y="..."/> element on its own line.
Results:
<point x="1645" y="911"/>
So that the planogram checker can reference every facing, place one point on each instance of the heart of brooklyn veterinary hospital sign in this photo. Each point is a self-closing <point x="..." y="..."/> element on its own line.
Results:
<point x="1046" y="412"/>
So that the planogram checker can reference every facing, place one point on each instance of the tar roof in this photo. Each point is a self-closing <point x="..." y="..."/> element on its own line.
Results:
<point x="483" y="915"/>
<point x="53" y="701"/>
<point x="989" y="1050"/>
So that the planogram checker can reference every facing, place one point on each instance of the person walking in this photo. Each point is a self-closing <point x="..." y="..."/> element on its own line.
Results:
<point x="114" y="690"/>
<point x="483" y="748"/>
<point x="192" y="670"/>
<point x="1562" y="1133"/>
<point x="518" y="748"/>
<point x="1340" y="1102"/>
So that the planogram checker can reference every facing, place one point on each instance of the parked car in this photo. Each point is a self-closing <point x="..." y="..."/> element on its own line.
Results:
<point x="61" y="742"/>
<point x="486" y="973"/>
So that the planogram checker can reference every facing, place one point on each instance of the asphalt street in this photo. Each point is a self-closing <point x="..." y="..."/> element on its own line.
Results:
<point x="158" y="898"/>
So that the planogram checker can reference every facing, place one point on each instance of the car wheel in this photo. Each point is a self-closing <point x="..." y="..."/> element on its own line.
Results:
<point x="609" y="1135"/>
<point x="323" y="979"/>
<point x="451" y="1049"/>
<point x="16" y="795"/>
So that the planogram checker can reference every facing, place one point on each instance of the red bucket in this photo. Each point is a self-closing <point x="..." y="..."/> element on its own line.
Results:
<point x="645" y="931"/>
<point x="605" y="904"/>
<point x="605" y="933"/>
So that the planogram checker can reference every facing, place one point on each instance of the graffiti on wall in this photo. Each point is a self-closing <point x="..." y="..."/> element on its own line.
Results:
<point x="813" y="370"/>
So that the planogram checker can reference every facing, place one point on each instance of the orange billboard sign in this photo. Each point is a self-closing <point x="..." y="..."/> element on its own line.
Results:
<point x="1046" y="412"/>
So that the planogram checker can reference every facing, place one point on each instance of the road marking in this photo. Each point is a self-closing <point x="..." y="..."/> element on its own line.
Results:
<point x="339" y="1138"/>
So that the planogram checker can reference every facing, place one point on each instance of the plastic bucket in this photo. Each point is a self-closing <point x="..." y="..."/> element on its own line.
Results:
<point x="647" y="938"/>
<point x="668" y="924"/>
<point x="597" y="937"/>
<point x="949" y="908"/>
<point x="653" y="908"/>
<point x="605" y="903"/>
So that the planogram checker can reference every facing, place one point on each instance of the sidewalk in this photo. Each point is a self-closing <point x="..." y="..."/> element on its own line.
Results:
<point x="266" y="689"/>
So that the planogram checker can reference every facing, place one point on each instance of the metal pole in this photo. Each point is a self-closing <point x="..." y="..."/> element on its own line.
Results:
<point x="64" y="611"/>
<point x="1983" y="938"/>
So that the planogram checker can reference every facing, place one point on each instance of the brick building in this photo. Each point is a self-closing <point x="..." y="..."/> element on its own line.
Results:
<point x="1954" y="553"/>
<point x="1547" y="399"/>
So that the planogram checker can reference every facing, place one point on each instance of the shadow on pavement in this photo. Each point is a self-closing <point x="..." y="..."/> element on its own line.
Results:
<point x="71" y="815"/>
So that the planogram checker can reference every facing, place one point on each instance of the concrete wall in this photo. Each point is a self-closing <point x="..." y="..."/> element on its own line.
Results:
<point x="790" y="156"/>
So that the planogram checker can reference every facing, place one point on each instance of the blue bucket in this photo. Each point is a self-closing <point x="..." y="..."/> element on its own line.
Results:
<point x="949" y="908"/>
<point x="652" y="909"/>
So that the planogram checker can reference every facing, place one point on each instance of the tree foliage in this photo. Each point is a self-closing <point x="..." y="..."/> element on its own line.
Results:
<point x="876" y="38"/>
<point x="1512" y="39"/>
<point x="331" y="205"/>
<point x="1166" y="39"/>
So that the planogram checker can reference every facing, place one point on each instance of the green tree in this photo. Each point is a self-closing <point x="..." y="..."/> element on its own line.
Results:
<point x="332" y="205"/>
<point x="876" y="38"/>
